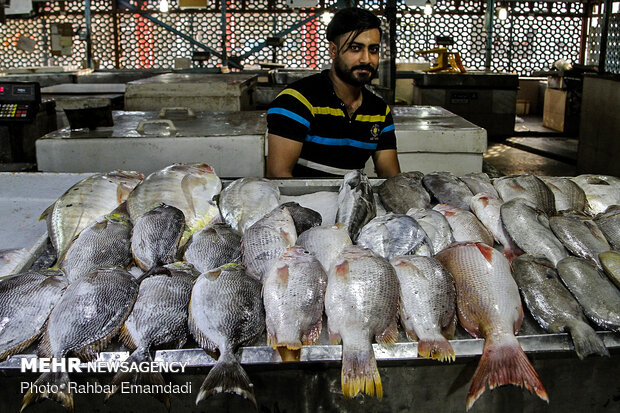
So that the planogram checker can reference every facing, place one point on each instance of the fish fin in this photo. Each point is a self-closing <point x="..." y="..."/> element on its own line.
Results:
<point x="272" y="340"/>
<point x="389" y="336"/>
<point x="412" y="336"/>
<point x="45" y="347"/>
<point x="359" y="372"/>
<point x="288" y="354"/>
<point x="486" y="251"/>
<point x="312" y="335"/>
<point x="227" y="376"/>
<point x="449" y="330"/>
<point x="46" y="381"/>
<point x="283" y="274"/>
<point x="47" y="212"/>
<point x="586" y="340"/>
<point x="125" y="337"/>
<point x="504" y="362"/>
<point x="213" y="274"/>
<point x="334" y="338"/>
<point x="187" y="182"/>
<point x="199" y="336"/>
<point x="511" y="254"/>
<point x="140" y="355"/>
<point x="288" y="237"/>
<point x="18" y="348"/>
<point x="437" y="348"/>
<point x="342" y="269"/>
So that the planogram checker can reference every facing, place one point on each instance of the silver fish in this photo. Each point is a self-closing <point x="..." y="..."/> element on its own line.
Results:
<point x="567" y="194"/>
<point x="465" y="226"/>
<point x="436" y="227"/>
<point x="89" y="314"/>
<point x="325" y="242"/>
<point x="226" y="312"/>
<point x="395" y="234"/>
<point x="580" y="235"/>
<point x="528" y="187"/>
<point x="529" y="228"/>
<point x="361" y="302"/>
<point x="610" y="260"/>
<point x="478" y="182"/>
<point x="599" y="298"/>
<point x="609" y="223"/>
<point x="602" y="191"/>
<point x="448" y="189"/>
<point x="213" y="246"/>
<point x="404" y="191"/>
<point x="26" y="301"/>
<point x="247" y="200"/>
<point x="553" y="306"/>
<point x="356" y="203"/>
<point x="293" y="294"/>
<point x="428" y="305"/>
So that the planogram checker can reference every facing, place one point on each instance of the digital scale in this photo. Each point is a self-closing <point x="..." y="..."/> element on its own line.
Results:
<point x="19" y="101"/>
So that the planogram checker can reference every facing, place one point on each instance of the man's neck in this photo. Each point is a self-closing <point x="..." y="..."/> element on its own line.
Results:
<point x="350" y="95"/>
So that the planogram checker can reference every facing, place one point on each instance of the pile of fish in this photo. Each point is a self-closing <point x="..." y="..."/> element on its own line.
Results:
<point x="154" y="260"/>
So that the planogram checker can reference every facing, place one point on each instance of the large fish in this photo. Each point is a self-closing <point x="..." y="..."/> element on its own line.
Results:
<point x="489" y="306"/>
<point x="26" y="301"/>
<point x="361" y="302"/>
<point x="567" y="194"/>
<point x="158" y="318"/>
<point x="610" y="260"/>
<point x="104" y="243"/>
<point x="602" y="191"/>
<point x="188" y="187"/>
<point x="553" y="306"/>
<point x="609" y="223"/>
<point x="156" y="236"/>
<point x="356" y="203"/>
<point x="465" y="226"/>
<point x="435" y="225"/>
<point x="84" y="202"/>
<point x="247" y="200"/>
<point x="293" y="294"/>
<point x="487" y="208"/>
<point x="213" y="246"/>
<point x="89" y="314"/>
<point x="478" y="182"/>
<point x="448" y="189"/>
<point x="428" y="305"/>
<point x="599" y="298"/>
<point x="528" y="187"/>
<point x="264" y="241"/>
<point x="325" y="242"/>
<point x="226" y="312"/>
<point x="404" y="191"/>
<point x="395" y="234"/>
<point x="529" y="228"/>
<point x="580" y="235"/>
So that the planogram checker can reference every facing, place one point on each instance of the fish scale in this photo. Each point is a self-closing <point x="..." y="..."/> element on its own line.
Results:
<point x="247" y="200"/>
<point x="325" y="242"/>
<point x="356" y="202"/>
<point x="404" y="191"/>
<point x="528" y="187"/>
<point x="214" y="245"/>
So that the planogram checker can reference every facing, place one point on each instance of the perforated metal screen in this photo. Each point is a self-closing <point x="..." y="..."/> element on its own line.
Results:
<point x="534" y="35"/>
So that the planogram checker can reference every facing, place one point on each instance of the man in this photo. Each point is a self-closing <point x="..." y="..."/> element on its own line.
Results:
<point x="329" y="123"/>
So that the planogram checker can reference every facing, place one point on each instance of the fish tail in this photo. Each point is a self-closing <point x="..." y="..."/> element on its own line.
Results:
<point x="289" y="353"/>
<point x="504" y="362"/>
<point x="437" y="348"/>
<point x="360" y="373"/>
<point x="586" y="340"/>
<point x="140" y="355"/>
<point x="227" y="376"/>
<point x="46" y="381"/>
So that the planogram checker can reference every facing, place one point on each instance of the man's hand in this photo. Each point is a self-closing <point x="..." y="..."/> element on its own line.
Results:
<point x="386" y="163"/>
<point x="282" y="155"/>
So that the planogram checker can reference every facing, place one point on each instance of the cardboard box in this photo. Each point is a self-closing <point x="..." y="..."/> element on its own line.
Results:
<point x="523" y="107"/>
<point x="554" y="112"/>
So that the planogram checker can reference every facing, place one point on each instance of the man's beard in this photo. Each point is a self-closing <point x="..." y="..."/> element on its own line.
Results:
<point x="347" y="76"/>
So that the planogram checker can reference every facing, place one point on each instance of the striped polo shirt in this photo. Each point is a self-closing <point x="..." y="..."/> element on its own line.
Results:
<point x="309" y="111"/>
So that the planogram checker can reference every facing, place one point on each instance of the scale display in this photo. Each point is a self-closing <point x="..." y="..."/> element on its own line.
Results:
<point x="19" y="101"/>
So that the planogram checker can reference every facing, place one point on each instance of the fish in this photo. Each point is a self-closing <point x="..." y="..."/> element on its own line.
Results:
<point x="247" y="200"/>
<point x="465" y="226"/>
<point x="26" y="300"/>
<point x="156" y="236"/>
<point x="90" y="313"/>
<point x="478" y="182"/>
<point x="226" y="312"/>
<point x="567" y="194"/>
<point x="325" y="242"/>
<point x="323" y="202"/>
<point x="189" y="187"/>
<point x="395" y="234"/>
<point x="528" y="187"/>
<point x="356" y="203"/>
<point x="404" y="191"/>
<point x="11" y="260"/>
<point x="448" y="189"/>
<point x="104" y="243"/>
<point x="609" y="223"/>
<point x="428" y="305"/>
<point x="487" y="208"/>
<point x="361" y="302"/>
<point x="610" y="260"/>
<point x="158" y="318"/>
<point x="489" y="307"/>
<point x="294" y="294"/>
<point x="84" y="202"/>
<point x="213" y="246"/>
<point x="553" y="306"/>
<point x="529" y="228"/>
<point x="304" y="218"/>
<point x="601" y="191"/>
<point x="580" y="235"/>
<point x="264" y="241"/>
<point x="435" y="225"/>
<point x="597" y="295"/>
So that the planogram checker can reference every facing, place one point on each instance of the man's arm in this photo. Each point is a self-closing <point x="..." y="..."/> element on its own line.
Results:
<point x="386" y="163"/>
<point x="282" y="155"/>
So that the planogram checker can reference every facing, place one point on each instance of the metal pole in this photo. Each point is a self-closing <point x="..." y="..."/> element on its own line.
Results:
<point x="117" y="46"/>
<point x="604" y="32"/>
<point x="489" y="19"/>
<point x="224" y="54"/>
<point x="89" y="46"/>
<point x="390" y="14"/>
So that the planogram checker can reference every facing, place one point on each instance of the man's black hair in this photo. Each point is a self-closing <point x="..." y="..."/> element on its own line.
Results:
<point x="352" y="19"/>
